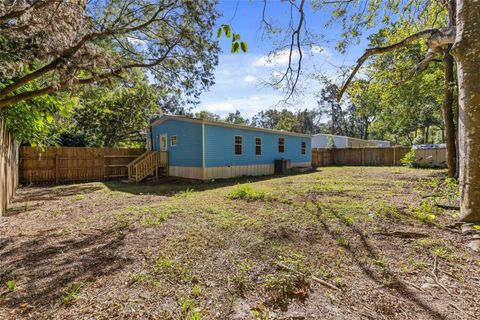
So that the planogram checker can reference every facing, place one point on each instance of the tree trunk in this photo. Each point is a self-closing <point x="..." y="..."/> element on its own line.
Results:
<point x="466" y="51"/>
<point x="448" y="118"/>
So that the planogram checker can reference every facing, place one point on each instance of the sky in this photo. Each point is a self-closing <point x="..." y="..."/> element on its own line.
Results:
<point x="239" y="76"/>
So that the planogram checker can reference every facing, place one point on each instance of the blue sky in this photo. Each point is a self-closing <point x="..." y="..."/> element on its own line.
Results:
<point x="239" y="76"/>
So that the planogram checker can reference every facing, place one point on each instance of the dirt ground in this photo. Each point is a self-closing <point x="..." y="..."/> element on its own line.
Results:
<point x="336" y="243"/>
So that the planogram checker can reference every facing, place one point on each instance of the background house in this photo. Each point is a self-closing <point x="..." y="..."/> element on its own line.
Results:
<point x="201" y="149"/>
<point x="322" y="140"/>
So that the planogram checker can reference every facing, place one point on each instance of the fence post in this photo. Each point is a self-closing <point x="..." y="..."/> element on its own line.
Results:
<point x="394" y="162"/>
<point x="56" y="166"/>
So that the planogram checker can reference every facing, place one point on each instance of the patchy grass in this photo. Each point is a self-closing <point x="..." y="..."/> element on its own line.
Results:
<point x="240" y="249"/>
<point x="71" y="294"/>
<point x="247" y="193"/>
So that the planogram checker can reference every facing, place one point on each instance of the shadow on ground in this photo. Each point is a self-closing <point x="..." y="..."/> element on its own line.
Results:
<point x="387" y="279"/>
<point x="49" y="266"/>
<point x="171" y="185"/>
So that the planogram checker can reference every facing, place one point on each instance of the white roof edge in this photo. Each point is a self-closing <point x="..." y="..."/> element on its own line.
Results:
<point x="336" y="135"/>
<point x="226" y="124"/>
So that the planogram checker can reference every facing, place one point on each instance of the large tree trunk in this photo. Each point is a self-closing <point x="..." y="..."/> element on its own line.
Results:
<point x="466" y="51"/>
<point x="448" y="117"/>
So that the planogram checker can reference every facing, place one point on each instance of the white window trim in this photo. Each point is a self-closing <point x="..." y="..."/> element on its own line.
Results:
<point x="171" y="141"/>
<point x="261" y="146"/>
<point x="235" y="145"/>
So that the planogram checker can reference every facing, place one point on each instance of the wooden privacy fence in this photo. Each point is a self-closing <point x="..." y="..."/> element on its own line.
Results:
<point x="70" y="164"/>
<point x="8" y="167"/>
<point x="368" y="156"/>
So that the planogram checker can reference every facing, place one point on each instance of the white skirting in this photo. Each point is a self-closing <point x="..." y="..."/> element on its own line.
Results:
<point x="186" y="172"/>
<point x="227" y="171"/>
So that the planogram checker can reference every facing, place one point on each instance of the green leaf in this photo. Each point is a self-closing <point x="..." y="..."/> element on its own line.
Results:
<point x="236" y="37"/>
<point x="228" y="32"/>
<point x="244" y="46"/>
<point x="235" y="47"/>
<point x="219" y="32"/>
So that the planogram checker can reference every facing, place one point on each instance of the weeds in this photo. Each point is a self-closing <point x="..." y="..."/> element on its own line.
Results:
<point x="290" y="279"/>
<point x="152" y="216"/>
<point x="196" y="290"/>
<point x="247" y="193"/>
<point x="242" y="278"/>
<point x="425" y="212"/>
<point x="167" y="267"/>
<point x="185" y="193"/>
<point x="55" y="212"/>
<point x="11" y="285"/>
<point x="70" y="295"/>
<point x="189" y="311"/>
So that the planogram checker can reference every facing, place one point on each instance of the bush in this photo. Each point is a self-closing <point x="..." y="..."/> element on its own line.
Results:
<point x="410" y="159"/>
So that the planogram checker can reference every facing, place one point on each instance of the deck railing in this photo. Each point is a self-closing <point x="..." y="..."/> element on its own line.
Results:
<point x="150" y="162"/>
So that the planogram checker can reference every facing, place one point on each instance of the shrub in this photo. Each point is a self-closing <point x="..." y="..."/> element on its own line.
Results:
<point x="409" y="160"/>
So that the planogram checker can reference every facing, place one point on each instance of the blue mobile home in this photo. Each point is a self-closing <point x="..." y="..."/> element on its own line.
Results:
<point x="202" y="149"/>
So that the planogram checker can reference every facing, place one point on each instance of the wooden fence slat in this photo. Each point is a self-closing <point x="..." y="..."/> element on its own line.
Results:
<point x="373" y="156"/>
<point x="50" y="165"/>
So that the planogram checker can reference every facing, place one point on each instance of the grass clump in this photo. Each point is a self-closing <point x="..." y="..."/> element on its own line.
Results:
<point x="70" y="295"/>
<point x="11" y="285"/>
<point x="425" y="212"/>
<point x="290" y="279"/>
<point x="247" y="193"/>
<point x="189" y="311"/>
<point x="242" y="277"/>
<point x="153" y="217"/>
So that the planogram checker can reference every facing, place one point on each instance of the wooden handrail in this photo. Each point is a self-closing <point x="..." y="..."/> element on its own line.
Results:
<point x="139" y="158"/>
<point x="146" y="164"/>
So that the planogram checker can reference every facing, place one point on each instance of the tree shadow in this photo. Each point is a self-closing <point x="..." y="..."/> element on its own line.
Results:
<point x="51" y="266"/>
<point x="173" y="185"/>
<point x="388" y="278"/>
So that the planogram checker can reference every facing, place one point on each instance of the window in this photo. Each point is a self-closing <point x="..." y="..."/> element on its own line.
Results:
<point x="173" y="141"/>
<point x="304" y="148"/>
<point x="238" y="145"/>
<point x="258" y="146"/>
<point x="281" y="145"/>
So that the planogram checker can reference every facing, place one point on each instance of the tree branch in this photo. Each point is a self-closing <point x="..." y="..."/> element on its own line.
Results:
<point x="70" y="52"/>
<point x="437" y="37"/>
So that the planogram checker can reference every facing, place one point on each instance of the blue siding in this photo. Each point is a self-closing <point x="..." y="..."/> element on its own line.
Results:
<point x="188" y="152"/>
<point x="220" y="150"/>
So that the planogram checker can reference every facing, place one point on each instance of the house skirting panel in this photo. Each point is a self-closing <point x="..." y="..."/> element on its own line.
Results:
<point x="227" y="171"/>
<point x="301" y="164"/>
<point x="186" y="172"/>
<point x="238" y="171"/>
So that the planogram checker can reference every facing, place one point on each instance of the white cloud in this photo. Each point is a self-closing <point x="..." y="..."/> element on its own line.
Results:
<point x="249" y="78"/>
<point x="218" y="107"/>
<point x="279" y="58"/>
